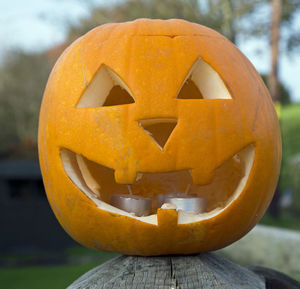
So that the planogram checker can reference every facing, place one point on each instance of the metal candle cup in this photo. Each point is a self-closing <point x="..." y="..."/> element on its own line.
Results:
<point x="132" y="204"/>
<point x="161" y="198"/>
<point x="188" y="205"/>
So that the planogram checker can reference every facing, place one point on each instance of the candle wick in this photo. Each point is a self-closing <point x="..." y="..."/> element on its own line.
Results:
<point x="187" y="188"/>
<point x="129" y="189"/>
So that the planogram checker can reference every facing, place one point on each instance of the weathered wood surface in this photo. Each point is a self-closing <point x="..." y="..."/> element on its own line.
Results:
<point x="206" y="270"/>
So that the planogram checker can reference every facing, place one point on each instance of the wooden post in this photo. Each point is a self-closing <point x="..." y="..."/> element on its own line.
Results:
<point x="206" y="270"/>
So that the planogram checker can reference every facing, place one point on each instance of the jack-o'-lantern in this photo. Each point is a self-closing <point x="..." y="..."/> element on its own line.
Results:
<point x="141" y="120"/>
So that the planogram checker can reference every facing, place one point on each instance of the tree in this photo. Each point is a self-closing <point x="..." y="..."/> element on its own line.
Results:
<point x="285" y="97"/>
<point x="273" y="81"/>
<point x="23" y="78"/>
<point x="221" y="15"/>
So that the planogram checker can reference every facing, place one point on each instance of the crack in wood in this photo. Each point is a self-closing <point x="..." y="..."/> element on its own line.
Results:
<point x="206" y="270"/>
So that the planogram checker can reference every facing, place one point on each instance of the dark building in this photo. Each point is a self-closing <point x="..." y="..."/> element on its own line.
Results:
<point x="26" y="219"/>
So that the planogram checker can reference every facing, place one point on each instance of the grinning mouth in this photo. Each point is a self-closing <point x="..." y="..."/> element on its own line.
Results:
<point x="97" y="182"/>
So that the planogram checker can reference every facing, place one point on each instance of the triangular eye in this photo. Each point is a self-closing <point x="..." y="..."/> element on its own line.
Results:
<point x="190" y="91"/>
<point x="203" y="82"/>
<point x="105" y="89"/>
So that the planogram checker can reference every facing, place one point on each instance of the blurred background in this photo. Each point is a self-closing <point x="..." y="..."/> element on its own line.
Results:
<point x="33" y="33"/>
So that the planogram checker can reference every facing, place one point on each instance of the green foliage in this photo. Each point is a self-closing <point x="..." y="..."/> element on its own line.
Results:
<point x="132" y="9"/>
<point x="290" y="176"/>
<point x="231" y="18"/>
<point x="22" y="81"/>
<point x="228" y="16"/>
<point x="291" y="36"/>
<point x="223" y="16"/>
<point x="290" y="125"/>
<point x="80" y="254"/>
<point x="285" y="221"/>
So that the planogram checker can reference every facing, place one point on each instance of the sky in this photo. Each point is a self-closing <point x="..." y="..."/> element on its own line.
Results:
<point x="35" y="25"/>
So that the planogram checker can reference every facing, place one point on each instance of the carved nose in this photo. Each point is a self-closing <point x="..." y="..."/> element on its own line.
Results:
<point x="159" y="129"/>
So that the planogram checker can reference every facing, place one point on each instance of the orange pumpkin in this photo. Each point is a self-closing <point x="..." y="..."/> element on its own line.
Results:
<point x="156" y="107"/>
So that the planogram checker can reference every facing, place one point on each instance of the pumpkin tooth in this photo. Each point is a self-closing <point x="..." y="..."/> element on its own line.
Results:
<point x="125" y="176"/>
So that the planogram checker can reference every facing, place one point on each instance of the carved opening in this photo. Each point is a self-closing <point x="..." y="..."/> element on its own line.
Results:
<point x="190" y="91"/>
<point x="203" y="82"/>
<point x="118" y="96"/>
<point x="105" y="89"/>
<point x="159" y="129"/>
<point x="97" y="182"/>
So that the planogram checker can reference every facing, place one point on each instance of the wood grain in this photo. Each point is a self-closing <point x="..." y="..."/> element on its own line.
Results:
<point x="206" y="270"/>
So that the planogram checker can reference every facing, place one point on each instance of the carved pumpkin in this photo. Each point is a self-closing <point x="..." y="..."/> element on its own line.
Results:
<point x="155" y="107"/>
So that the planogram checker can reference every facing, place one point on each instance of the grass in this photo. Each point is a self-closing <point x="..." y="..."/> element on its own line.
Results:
<point x="82" y="255"/>
<point x="290" y="127"/>
<point x="289" y="177"/>
<point x="80" y="260"/>
<point x="46" y="277"/>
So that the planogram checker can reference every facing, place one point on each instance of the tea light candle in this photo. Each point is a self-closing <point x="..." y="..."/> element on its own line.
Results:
<point x="132" y="204"/>
<point x="188" y="205"/>
<point x="161" y="198"/>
